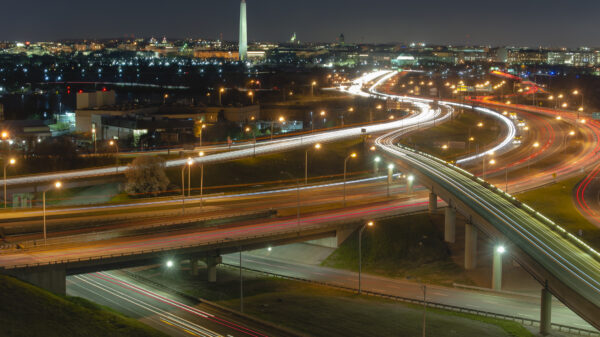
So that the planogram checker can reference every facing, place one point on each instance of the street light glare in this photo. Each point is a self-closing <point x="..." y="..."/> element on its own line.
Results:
<point x="169" y="263"/>
<point x="281" y="119"/>
<point x="370" y="223"/>
<point x="201" y="153"/>
<point x="410" y="178"/>
<point x="12" y="161"/>
<point x="57" y="184"/>
<point x="377" y="159"/>
<point x="501" y="249"/>
<point x="536" y="144"/>
<point x="390" y="166"/>
<point x="190" y="161"/>
<point x="353" y="155"/>
<point x="318" y="146"/>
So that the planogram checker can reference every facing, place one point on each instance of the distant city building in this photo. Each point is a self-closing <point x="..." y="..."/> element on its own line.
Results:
<point x="90" y="100"/>
<point x="243" y="38"/>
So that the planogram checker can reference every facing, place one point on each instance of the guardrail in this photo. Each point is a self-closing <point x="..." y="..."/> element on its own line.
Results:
<point x="521" y="320"/>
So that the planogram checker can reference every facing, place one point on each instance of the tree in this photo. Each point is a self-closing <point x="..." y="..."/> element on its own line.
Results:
<point x="146" y="174"/>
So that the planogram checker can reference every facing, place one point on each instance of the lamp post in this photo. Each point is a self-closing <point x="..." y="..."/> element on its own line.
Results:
<point x="352" y="155"/>
<point x="11" y="161"/>
<point x="116" y="145"/>
<point x="323" y="114"/>
<point x="312" y="88"/>
<point x="249" y="129"/>
<point x="57" y="184"/>
<point x="369" y="224"/>
<point x="376" y="164"/>
<point x="492" y="162"/>
<point x="221" y="91"/>
<point x="251" y="95"/>
<point x="580" y="109"/>
<point x="201" y="154"/>
<point x="94" y="137"/>
<point x="571" y="134"/>
<point x="281" y="120"/>
<point x="317" y="147"/>
<point x="189" y="163"/>
<point x="535" y="146"/>
<point x="389" y="179"/>
<point x="201" y="129"/>
<point x="297" y="198"/>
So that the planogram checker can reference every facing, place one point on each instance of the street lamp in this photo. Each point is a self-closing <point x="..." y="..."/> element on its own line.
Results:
<point x="221" y="91"/>
<point x="491" y="162"/>
<point x="535" y="146"/>
<point x="57" y="185"/>
<point x="312" y="88"/>
<point x="201" y="154"/>
<point x="249" y="129"/>
<point x="389" y="180"/>
<point x="281" y="120"/>
<point x="376" y="164"/>
<point x="251" y="95"/>
<point x="352" y="155"/>
<point x="116" y="145"/>
<point x="368" y="224"/>
<point x="94" y="137"/>
<point x="11" y="161"/>
<point x="316" y="147"/>
<point x="189" y="165"/>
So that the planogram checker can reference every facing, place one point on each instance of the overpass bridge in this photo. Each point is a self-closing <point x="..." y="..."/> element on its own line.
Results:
<point x="47" y="266"/>
<point x="566" y="267"/>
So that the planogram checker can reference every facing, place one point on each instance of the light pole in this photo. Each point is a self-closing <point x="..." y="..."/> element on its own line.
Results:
<point x="57" y="184"/>
<point x="492" y="162"/>
<point x="281" y="120"/>
<point x="251" y="95"/>
<point x="323" y="114"/>
<point x="11" y="161"/>
<point x="389" y="179"/>
<point x="94" y="137"/>
<point x="571" y="133"/>
<point x="116" y="145"/>
<point x="376" y="164"/>
<point x="352" y="155"/>
<point x="312" y="88"/>
<point x="201" y="129"/>
<point x="535" y="146"/>
<point x="221" y="91"/>
<point x="201" y="154"/>
<point x="578" y="92"/>
<point x="189" y="163"/>
<point x="369" y="224"/>
<point x="297" y="198"/>
<point x="317" y="147"/>
<point x="248" y="129"/>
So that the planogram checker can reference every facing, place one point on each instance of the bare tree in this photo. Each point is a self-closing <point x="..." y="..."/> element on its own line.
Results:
<point x="146" y="175"/>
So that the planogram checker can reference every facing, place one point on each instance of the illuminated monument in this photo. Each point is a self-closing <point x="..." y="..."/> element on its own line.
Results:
<point x="243" y="32"/>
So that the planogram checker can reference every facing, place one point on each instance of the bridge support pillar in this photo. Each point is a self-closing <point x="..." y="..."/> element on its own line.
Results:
<point x="450" y="225"/>
<point x="194" y="266"/>
<point x="51" y="278"/>
<point x="211" y="264"/>
<point x="497" y="268"/>
<point x="432" y="202"/>
<point x="546" y="312"/>
<point x="470" y="246"/>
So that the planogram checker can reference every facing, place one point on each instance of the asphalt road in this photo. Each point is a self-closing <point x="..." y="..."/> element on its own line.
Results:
<point x="164" y="311"/>
<point x="501" y="303"/>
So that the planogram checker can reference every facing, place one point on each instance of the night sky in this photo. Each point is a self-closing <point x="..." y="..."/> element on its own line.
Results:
<point x="509" y="22"/>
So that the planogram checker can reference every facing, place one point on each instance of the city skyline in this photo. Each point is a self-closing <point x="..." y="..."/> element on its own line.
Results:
<point x="467" y="23"/>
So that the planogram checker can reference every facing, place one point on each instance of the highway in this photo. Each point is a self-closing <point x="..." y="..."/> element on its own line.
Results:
<point x="164" y="311"/>
<point x="524" y="306"/>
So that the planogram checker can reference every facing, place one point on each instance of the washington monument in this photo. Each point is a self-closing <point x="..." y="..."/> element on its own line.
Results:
<point x="243" y="32"/>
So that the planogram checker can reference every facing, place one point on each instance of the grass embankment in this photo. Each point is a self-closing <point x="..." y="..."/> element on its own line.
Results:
<point x="274" y="169"/>
<point x="410" y="247"/>
<point x="556" y="202"/>
<point x="26" y="310"/>
<point x="456" y="130"/>
<point x="322" y="311"/>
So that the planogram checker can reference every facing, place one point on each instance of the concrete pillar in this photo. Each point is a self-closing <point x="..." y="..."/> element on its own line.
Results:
<point x="432" y="202"/>
<point x="470" y="246"/>
<point x="546" y="312"/>
<point x="450" y="225"/>
<point x="194" y="266"/>
<point x="211" y="264"/>
<point x="497" y="268"/>
<point x="51" y="278"/>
